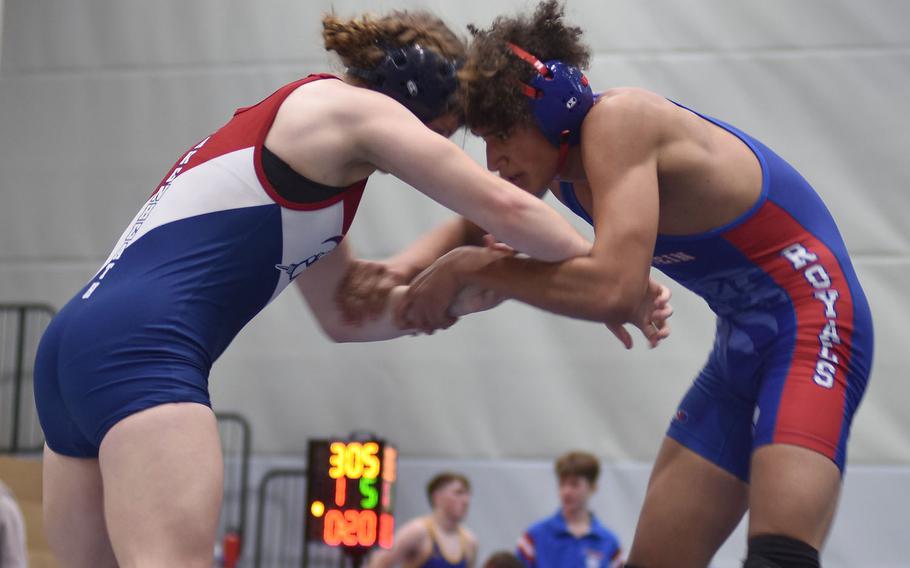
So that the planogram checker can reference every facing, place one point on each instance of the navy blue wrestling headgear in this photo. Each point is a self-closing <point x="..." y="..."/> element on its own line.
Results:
<point x="418" y="78"/>
<point x="560" y="98"/>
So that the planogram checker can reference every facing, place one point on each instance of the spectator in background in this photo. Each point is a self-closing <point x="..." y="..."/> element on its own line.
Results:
<point x="572" y="537"/>
<point x="13" y="553"/>
<point x="438" y="540"/>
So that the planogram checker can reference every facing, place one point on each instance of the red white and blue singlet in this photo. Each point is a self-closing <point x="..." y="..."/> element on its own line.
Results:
<point x="228" y="228"/>
<point x="794" y="342"/>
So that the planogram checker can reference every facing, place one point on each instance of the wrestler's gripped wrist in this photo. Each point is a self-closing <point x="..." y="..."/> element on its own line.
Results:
<point x="459" y="274"/>
<point x="402" y="272"/>
<point x="465" y="267"/>
<point x="468" y="271"/>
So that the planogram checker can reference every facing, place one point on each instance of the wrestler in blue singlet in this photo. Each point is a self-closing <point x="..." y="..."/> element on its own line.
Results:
<point x="437" y="558"/>
<point x="794" y="342"/>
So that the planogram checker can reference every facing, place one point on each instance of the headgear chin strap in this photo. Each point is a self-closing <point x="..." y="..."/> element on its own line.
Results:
<point x="418" y="78"/>
<point x="560" y="98"/>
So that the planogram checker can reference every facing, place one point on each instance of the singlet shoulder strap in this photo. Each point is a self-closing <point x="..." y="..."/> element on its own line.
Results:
<point x="571" y="201"/>
<point x="434" y="537"/>
<point x="463" y="539"/>
<point x="287" y="89"/>
<point x="438" y="552"/>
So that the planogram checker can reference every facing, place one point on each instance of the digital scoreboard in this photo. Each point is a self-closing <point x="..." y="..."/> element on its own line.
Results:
<point x="350" y="489"/>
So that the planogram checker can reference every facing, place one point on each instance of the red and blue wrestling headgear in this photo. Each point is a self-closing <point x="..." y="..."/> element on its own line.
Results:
<point x="560" y="98"/>
<point x="418" y="78"/>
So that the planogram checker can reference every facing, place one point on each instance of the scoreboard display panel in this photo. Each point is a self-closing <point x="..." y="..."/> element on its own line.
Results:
<point x="350" y="490"/>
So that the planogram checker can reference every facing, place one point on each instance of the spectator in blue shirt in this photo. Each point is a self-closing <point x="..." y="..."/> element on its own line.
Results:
<point x="572" y="537"/>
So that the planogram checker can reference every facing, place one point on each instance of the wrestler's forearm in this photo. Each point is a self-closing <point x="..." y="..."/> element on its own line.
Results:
<point x="426" y="249"/>
<point x="381" y="328"/>
<point x="579" y="287"/>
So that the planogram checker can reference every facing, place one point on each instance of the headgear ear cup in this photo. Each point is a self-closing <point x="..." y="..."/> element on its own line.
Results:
<point x="418" y="78"/>
<point x="560" y="98"/>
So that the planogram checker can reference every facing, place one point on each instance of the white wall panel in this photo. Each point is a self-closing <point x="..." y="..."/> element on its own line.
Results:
<point x="120" y="36"/>
<point x="113" y="34"/>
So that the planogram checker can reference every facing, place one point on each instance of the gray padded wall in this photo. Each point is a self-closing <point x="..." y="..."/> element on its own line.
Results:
<point x="99" y="97"/>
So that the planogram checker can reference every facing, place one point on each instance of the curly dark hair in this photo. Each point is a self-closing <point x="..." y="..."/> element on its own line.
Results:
<point x="491" y="98"/>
